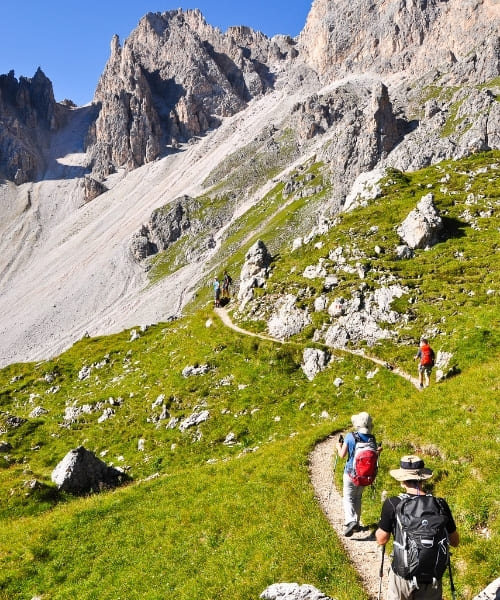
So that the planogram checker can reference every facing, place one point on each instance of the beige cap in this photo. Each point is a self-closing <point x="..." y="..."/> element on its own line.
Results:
<point x="411" y="469"/>
<point x="362" y="422"/>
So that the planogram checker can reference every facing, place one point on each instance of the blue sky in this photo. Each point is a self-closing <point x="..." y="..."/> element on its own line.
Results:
<point x="70" y="41"/>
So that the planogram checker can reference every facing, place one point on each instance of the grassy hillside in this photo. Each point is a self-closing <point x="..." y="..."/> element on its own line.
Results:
<point x="204" y="517"/>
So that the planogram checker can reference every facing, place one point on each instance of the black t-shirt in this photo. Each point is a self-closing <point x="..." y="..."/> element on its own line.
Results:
<point x="388" y="519"/>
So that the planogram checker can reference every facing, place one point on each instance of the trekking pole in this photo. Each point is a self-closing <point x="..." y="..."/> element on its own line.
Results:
<point x="452" y="585"/>
<point x="381" y="573"/>
<point x="341" y="440"/>
<point x="374" y="484"/>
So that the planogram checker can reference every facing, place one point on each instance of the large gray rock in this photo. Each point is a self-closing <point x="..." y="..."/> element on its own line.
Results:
<point x="293" y="591"/>
<point x="361" y="317"/>
<point x="81" y="472"/>
<point x="491" y="592"/>
<point x="422" y="226"/>
<point x="313" y="362"/>
<point x="287" y="320"/>
<point x="165" y="226"/>
<point x="254" y="272"/>
<point x="195" y="419"/>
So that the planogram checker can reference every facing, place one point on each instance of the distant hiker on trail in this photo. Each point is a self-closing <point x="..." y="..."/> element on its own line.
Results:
<point x="423" y="528"/>
<point x="360" y="469"/>
<point x="426" y="356"/>
<point x="216" y="286"/>
<point x="226" y="284"/>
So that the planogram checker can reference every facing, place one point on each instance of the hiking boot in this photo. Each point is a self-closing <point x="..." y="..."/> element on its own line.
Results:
<point x="349" y="528"/>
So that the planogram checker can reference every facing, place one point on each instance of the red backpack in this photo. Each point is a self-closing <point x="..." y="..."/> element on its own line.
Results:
<point x="427" y="355"/>
<point x="365" y="461"/>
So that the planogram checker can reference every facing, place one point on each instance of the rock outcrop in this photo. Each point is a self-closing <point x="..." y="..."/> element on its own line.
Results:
<point x="293" y="591"/>
<point x="422" y="226"/>
<point x="410" y="36"/>
<point x="165" y="226"/>
<point x="81" y="472"/>
<point x="313" y="362"/>
<point x="359" y="117"/>
<point x="174" y="78"/>
<point x="359" y="319"/>
<point x="28" y="114"/>
<point x="254" y="272"/>
<point x="287" y="319"/>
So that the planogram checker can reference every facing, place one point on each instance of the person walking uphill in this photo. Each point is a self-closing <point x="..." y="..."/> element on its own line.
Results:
<point x="423" y="528"/>
<point x="426" y="355"/>
<point x="360" y="468"/>
<point x="226" y="284"/>
<point x="216" y="287"/>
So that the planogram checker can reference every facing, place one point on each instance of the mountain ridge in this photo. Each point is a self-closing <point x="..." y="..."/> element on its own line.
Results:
<point x="110" y="165"/>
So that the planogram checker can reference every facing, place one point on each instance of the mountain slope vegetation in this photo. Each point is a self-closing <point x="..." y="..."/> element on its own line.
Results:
<point x="225" y="508"/>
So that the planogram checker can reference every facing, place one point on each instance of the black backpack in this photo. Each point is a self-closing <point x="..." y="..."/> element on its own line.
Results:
<point x="421" y="547"/>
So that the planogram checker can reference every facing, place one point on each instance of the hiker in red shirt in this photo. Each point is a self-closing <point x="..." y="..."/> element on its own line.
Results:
<point x="426" y="355"/>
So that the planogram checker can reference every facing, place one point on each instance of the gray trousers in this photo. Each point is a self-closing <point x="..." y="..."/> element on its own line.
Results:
<point x="352" y="500"/>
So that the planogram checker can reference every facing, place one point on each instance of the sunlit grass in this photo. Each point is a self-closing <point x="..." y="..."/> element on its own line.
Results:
<point x="225" y="521"/>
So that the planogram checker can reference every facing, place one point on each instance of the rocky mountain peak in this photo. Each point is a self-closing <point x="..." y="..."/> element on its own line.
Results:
<point x="27" y="114"/>
<point x="174" y="78"/>
<point x="391" y="36"/>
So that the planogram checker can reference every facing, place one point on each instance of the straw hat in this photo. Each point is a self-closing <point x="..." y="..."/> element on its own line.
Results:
<point x="362" y="422"/>
<point x="411" y="469"/>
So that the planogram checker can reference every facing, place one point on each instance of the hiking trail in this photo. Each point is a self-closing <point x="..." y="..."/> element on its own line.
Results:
<point x="361" y="548"/>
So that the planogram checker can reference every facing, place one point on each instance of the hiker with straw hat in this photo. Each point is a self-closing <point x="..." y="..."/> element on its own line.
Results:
<point x="399" y="513"/>
<point x="352" y="491"/>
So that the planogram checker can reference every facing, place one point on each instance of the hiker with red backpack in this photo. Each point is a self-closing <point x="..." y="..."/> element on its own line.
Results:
<point x="360" y="470"/>
<point x="423" y="529"/>
<point x="426" y="357"/>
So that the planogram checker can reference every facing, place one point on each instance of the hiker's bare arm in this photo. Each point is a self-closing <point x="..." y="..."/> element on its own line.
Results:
<point x="382" y="536"/>
<point x="342" y="449"/>
<point x="454" y="539"/>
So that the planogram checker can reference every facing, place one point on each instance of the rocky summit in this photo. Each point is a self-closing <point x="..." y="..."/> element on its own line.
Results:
<point x="190" y="127"/>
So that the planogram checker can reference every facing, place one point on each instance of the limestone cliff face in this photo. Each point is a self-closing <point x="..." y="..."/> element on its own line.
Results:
<point x="390" y="36"/>
<point x="174" y="78"/>
<point x="28" y="113"/>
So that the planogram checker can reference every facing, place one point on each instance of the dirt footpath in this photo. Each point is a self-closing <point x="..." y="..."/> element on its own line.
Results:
<point x="361" y="548"/>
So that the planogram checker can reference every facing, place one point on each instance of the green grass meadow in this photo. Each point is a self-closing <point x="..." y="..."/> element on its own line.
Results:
<point x="204" y="519"/>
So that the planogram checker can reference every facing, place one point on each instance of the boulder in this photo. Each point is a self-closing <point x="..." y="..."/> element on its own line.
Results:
<point x="403" y="252"/>
<point x="320" y="303"/>
<point x="287" y="320"/>
<point x="491" y="592"/>
<point x="194" y="419"/>
<point x="191" y="370"/>
<point x="337" y="308"/>
<point x="254" y="272"/>
<point x="366" y="187"/>
<point x="292" y="591"/>
<point x="359" y="318"/>
<point x="422" y="226"/>
<point x="314" y="361"/>
<point x="38" y="411"/>
<point x="81" y="472"/>
<point x="442" y="365"/>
